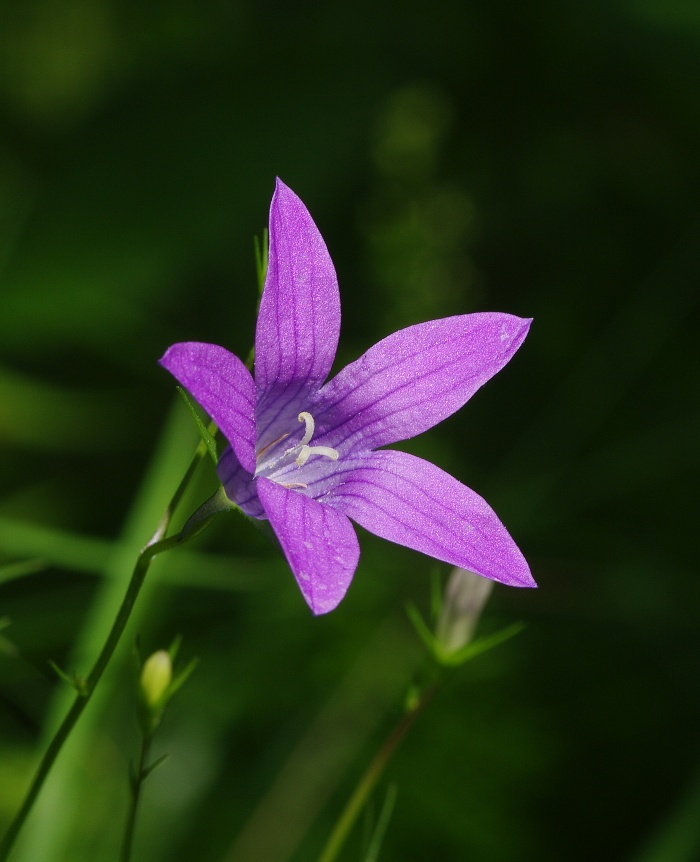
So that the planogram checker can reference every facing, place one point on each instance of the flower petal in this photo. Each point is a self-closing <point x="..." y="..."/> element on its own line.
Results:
<point x="414" y="503"/>
<point x="299" y="319"/>
<point x="319" y="542"/>
<point x="414" y="379"/>
<point x="223" y="386"/>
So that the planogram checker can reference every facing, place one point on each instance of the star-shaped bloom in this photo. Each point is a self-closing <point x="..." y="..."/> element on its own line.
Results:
<point x="305" y="453"/>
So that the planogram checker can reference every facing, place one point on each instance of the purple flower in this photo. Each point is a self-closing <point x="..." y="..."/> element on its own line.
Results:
<point x="304" y="454"/>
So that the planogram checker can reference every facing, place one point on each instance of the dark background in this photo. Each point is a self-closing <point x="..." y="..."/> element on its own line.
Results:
<point x="537" y="158"/>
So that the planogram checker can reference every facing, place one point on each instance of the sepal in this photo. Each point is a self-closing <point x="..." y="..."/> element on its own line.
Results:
<point x="206" y="513"/>
<point x="457" y="613"/>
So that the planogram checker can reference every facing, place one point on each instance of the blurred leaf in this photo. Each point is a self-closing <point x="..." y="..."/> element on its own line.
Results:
<point x="38" y="415"/>
<point x="677" y="838"/>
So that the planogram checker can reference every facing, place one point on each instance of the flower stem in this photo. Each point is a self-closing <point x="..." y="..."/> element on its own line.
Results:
<point x="367" y="783"/>
<point x="86" y="687"/>
<point x="136" y="784"/>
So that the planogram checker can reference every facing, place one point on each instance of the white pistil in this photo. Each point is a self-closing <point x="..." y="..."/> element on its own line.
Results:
<point x="309" y="426"/>
<point x="307" y="451"/>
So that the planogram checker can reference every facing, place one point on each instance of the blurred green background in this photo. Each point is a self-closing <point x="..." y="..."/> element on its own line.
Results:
<point x="537" y="158"/>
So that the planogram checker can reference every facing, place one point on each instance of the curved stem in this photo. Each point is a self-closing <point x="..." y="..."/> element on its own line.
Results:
<point x="85" y="688"/>
<point x="367" y="783"/>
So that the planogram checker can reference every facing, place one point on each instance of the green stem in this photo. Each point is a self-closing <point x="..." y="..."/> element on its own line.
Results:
<point x="145" y="558"/>
<point x="367" y="783"/>
<point x="155" y="546"/>
<point x="136" y="784"/>
<point x="175" y="500"/>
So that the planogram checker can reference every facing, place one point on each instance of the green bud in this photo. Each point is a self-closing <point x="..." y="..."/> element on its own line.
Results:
<point x="465" y="597"/>
<point x="156" y="676"/>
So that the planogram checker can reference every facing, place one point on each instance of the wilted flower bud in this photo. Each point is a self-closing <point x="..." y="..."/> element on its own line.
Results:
<point x="465" y="597"/>
<point x="156" y="675"/>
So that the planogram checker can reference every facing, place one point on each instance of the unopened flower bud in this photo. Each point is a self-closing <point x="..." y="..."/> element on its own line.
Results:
<point x="465" y="597"/>
<point x="156" y="675"/>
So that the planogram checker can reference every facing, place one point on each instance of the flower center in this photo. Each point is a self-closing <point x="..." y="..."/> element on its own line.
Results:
<point x="307" y="451"/>
<point x="302" y="452"/>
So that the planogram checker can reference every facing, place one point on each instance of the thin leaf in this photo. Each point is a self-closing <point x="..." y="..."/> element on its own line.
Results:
<point x="481" y="645"/>
<point x="207" y="438"/>
<point x="261" y="258"/>
<point x="6" y="646"/>
<point x="174" y="648"/>
<point x="181" y="678"/>
<point x="421" y="628"/>
<point x="377" y="838"/>
<point x="156" y="763"/>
